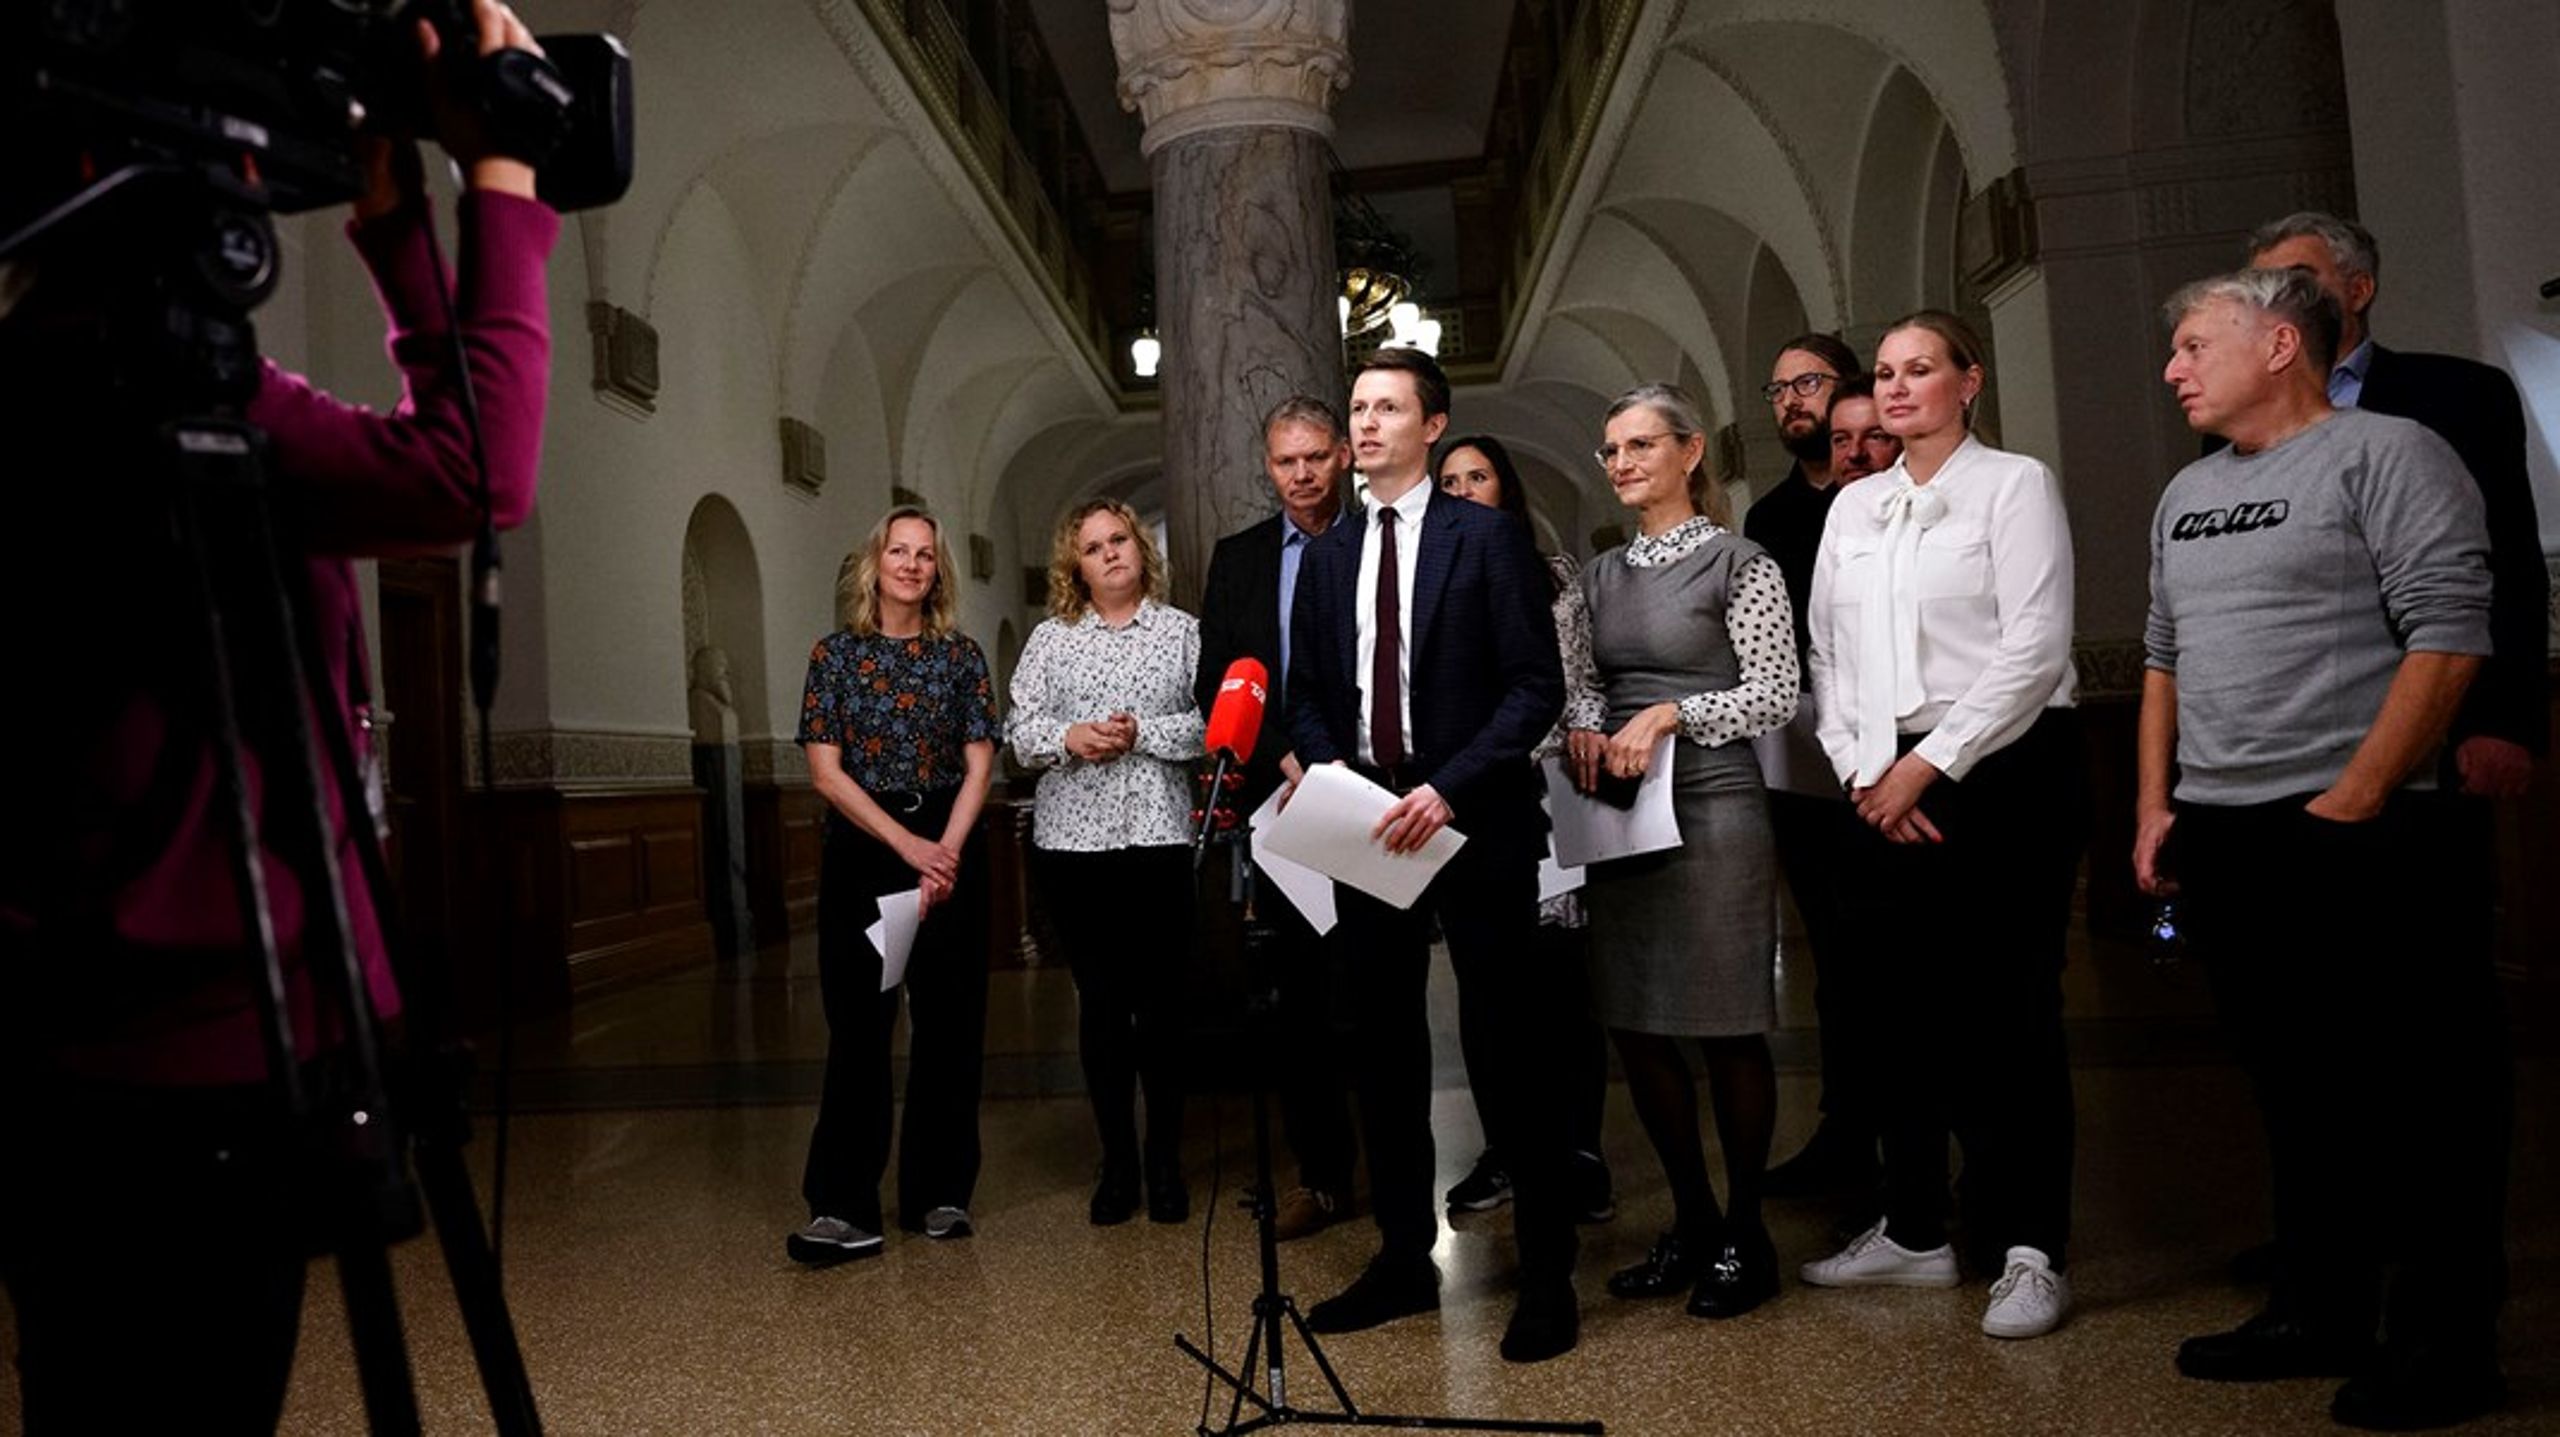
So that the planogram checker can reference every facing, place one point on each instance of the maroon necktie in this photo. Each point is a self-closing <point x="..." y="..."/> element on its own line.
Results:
<point x="1386" y="692"/>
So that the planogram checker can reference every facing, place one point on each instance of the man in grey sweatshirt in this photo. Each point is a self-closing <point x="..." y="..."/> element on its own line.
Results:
<point x="2319" y="604"/>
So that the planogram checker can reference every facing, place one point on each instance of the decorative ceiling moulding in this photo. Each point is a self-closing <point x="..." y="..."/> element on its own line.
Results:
<point x="1579" y="109"/>
<point x="1189" y="66"/>
<point x="944" y="92"/>
<point x="804" y="456"/>
<point x="626" y="351"/>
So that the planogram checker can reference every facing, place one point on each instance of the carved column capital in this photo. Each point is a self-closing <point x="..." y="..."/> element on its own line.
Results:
<point x="1193" y="65"/>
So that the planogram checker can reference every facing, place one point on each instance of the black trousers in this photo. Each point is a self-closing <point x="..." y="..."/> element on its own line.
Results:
<point x="1968" y="939"/>
<point x="1811" y="833"/>
<point x="1584" y="1067"/>
<point x="2360" y="996"/>
<point x="1315" y="1061"/>
<point x="1125" y="916"/>
<point x="1486" y="901"/>
<point x="946" y="998"/>
<point x="153" y="1245"/>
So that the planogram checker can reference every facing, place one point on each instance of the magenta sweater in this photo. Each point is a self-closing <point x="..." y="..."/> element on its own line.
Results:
<point x="145" y="887"/>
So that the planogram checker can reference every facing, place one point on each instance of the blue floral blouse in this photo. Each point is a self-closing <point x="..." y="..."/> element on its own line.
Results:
<point x="902" y="710"/>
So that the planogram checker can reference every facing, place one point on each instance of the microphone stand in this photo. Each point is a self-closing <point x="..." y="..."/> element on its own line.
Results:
<point x="1272" y="1304"/>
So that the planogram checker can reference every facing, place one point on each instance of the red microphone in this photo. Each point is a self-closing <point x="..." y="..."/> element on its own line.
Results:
<point x="1235" y="720"/>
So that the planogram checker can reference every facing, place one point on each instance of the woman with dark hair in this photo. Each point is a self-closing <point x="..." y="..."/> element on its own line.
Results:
<point x="1692" y="639"/>
<point x="1476" y="467"/>
<point x="1941" y="617"/>
<point x="899" y="726"/>
<point x="1103" y="706"/>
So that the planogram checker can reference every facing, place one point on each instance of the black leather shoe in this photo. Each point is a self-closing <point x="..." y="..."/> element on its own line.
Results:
<point x="2412" y="1397"/>
<point x="1115" y="1198"/>
<point x="1383" y="1292"/>
<point x="1168" y="1201"/>
<point x="2270" y="1346"/>
<point x="1832" y="1163"/>
<point x="1743" y="1276"/>
<point x="1546" y="1322"/>
<point x="1671" y="1266"/>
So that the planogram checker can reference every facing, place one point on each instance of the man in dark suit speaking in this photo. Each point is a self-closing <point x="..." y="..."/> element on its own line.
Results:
<point x="1244" y="613"/>
<point x="1423" y="654"/>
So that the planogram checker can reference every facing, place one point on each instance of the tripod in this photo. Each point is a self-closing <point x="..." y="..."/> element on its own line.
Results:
<point x="177" y="336"/>
<point x="1275" y="1312"/>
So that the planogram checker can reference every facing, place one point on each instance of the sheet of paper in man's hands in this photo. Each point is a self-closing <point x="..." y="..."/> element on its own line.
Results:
<point x="1326" y="827"/>
<point x="1304" y="889"/>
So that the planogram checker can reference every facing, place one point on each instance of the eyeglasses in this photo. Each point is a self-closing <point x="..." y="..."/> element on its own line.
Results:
<point x="1636" y="447"/>
<point x="1805" y="385"/>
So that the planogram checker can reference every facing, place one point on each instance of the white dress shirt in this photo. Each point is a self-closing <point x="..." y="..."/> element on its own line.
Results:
<point x="1409" y="511"/>
<point x="1978" y="605"/>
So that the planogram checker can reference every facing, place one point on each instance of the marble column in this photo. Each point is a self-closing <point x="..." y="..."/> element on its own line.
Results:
<point x="1235" y="94"/>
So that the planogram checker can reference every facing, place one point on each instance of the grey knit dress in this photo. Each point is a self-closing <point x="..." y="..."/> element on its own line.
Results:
<point x="1683" y="942"/>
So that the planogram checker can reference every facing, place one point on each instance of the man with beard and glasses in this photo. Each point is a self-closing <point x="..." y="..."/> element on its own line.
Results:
<point x="1806" y="808"/>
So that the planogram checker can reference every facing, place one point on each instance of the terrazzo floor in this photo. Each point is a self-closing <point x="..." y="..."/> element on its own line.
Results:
<point x="655" y="1171"/>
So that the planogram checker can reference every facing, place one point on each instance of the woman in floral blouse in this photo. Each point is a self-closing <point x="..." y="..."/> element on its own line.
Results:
<point x="1102" y="703"/>
<point x="899" y="725"/>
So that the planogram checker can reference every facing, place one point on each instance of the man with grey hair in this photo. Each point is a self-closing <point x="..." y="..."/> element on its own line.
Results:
<point x="1244" y="613"/>
<point x="2506" y="720"/>
<point x="2319" y="606"/>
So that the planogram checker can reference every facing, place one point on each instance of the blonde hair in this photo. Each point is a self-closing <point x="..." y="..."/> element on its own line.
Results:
<point x="858" y="591"/>
<point x="1069" y="596"/>
<point x="1679" y="413"/>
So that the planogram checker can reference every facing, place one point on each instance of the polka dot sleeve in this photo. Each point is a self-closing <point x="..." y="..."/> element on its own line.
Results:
<point x="1762" y="626"/>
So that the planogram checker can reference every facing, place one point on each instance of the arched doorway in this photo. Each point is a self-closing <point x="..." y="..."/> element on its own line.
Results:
<point x="725" y="705"/>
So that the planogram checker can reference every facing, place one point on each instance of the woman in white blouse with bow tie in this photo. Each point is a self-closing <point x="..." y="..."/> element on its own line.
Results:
<point x="1941" y="617"/>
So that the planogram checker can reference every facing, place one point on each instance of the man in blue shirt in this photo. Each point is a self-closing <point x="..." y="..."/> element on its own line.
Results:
<point x="1244" y="613"/>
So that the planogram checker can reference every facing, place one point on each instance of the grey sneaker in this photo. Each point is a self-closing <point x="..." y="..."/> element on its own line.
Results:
<point x="947" y="1222"/>
<point x="830" y="1240"/>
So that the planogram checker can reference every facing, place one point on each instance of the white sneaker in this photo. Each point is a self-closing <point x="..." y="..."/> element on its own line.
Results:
<point x="1873" y="1260"/>
<point x="2030" y="1298"/>
<point x="828" y="1240"/>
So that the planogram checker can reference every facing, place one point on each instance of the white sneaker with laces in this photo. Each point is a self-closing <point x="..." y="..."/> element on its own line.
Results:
<point x="1874" y="1260"/>
<point x="2030" y="1299"/>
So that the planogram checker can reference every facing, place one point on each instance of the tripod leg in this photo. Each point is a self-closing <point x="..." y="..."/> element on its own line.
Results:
<point x="477" y="1290"/>
<point x="1307" y="1339"/>
<point x="382" y="1350"/>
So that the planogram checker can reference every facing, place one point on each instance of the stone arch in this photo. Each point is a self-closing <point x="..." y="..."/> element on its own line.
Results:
<point x="724" y="606"/>
<point x="1892" y="221"/>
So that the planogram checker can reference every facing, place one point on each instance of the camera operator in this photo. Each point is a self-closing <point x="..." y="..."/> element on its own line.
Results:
<point x="155" y="1223"/>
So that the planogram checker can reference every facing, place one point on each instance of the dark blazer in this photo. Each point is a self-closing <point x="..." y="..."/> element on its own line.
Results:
<point x="2474" y="407"/>
<point x="1240" y="618"/>
<point x="1484" y="677"/>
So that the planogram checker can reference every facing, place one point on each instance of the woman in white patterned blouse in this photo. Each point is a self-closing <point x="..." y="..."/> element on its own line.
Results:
<point x="1102" y="704"/>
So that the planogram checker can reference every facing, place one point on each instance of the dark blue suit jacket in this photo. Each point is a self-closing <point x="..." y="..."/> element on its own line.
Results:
<point x="2475" y="408"/>
<point x="1485" y="682"/>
